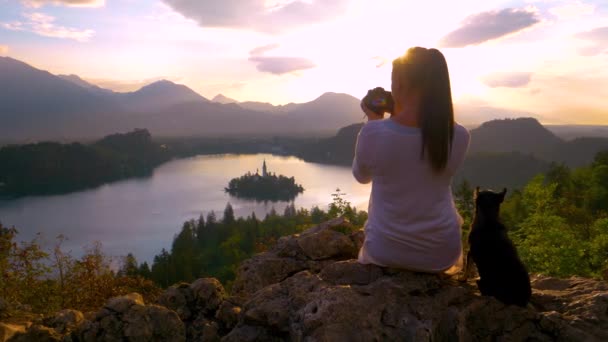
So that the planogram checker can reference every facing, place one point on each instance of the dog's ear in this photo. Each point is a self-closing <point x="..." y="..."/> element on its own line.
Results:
<point x="503" y="194"/>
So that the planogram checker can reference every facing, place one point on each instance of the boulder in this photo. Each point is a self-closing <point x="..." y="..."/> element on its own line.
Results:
<point x="64" y="321"/>
<point x="7" y="331"/>
<point x="38" y="333"/>
<point x="208" y="294"/>
<point x="128" y="318"/>
<point x="312" y="250"/>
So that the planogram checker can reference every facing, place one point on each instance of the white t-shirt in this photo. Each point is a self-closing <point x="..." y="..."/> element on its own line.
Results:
<point x="413" y="222"/>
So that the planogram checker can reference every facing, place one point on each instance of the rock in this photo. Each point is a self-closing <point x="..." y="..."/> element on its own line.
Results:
<point x="4" y="308"/>
<point x="309" y="288"/>
<point x="583" y="301"/>
<point x="37" y="333"/>
<point x="9" y="330"/>
<point x="208" y="294"/>
<point x="323" y="241"/>
<point x="178" y="298"/>
<point x="358" y="237"/>
<point x="350" y="272"/>
<point x="252" y="334"/>
<point x="203" y="330"/>
<point x="228" y="314"/>
<point x="123" y="303"/>
<point x="295" y="253"/>
<point x="64" y="321"/>
<point x="128" y="318"/>
<point x="263" y="270"/>
<point x="326" y="296"/>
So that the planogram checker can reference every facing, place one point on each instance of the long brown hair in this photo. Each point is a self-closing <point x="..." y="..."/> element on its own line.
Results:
<point x="426" y="72"/>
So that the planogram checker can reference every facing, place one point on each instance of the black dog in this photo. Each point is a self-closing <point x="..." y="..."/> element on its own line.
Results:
<point x="502" y="274"/>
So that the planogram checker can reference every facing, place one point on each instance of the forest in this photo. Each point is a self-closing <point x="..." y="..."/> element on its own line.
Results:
<point x="51" y="168"/>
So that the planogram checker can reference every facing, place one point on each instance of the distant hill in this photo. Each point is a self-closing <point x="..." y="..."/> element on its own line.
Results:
<point x="219" y="98"/>
<point x="339" y="149"/>
<point x="268" y="107"/>
<point x="524" y="135"/>
<point x="498" y="170"/>
<point x="160" y="94"/>
<point x="82" y="83"/>
<point x="35" y="104"/>
<point x="569" y="132"/>
<point x="577" y="152"/>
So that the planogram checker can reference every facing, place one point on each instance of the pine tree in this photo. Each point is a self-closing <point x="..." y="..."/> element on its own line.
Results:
<point x="228" y="214"/>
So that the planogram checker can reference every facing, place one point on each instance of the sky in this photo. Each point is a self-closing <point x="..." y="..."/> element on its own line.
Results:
<point x="547" y="58"/>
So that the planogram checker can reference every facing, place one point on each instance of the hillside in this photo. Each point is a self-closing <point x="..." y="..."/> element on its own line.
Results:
<point x="524" y="135"/>
<point x="51" y="168"/>
<point x="35" y="103"/>
<point x="309" y="287"/>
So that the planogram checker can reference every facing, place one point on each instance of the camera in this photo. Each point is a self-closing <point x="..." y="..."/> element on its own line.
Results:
<point x="379" y="101"/>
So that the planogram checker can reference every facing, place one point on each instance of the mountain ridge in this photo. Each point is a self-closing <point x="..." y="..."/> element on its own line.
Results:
<point x="40" y="105"/>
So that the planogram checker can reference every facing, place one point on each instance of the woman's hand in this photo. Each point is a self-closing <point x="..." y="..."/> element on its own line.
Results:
<point x="371" y="115"/>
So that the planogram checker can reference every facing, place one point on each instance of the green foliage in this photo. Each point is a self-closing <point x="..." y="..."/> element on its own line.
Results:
<point x="211" y="248"/>
<point x="46" y="168"/>
<point x="559" y="220"/>
<point x="48" y="282"/>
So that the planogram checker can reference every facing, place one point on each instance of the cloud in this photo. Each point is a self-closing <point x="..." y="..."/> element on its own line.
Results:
<point x="69" y="3"/>
<point x="486" y="26"/>
<point x="263" y="49"/>
<point x="598" y="38"/>
<point x="259" y="15"/>
<point x="44" y="25"/>
<point x="281" y="65"/>
<point x="572" y="10"/>
<point x="507" y="79"/>
<point x="276" y="64"/>
<point x="3" y="50"/>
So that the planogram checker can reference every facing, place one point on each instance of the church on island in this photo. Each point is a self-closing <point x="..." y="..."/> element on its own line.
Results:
<point x="265" y="187"/>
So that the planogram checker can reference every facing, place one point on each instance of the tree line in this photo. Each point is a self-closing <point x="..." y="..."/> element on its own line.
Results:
<point x="50" y="167"/>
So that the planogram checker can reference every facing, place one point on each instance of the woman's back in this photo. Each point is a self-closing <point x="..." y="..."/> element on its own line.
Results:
<point x="412" y="219"/>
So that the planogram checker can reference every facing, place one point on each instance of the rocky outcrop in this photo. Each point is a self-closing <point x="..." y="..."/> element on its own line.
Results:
<point x="309" y="287"/>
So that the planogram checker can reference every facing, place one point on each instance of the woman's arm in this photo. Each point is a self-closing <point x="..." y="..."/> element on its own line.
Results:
<point x="362" y="165"/>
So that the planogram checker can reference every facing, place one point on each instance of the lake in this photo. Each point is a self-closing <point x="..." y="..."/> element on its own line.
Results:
<point x="142" y="215"/>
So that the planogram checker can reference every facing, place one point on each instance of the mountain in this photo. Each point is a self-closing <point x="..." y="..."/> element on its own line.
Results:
<point x="35" y="103"/>
<point x="329" y="112"/>
<point x="569" y="132"/>
<point x="84" y="84"/>
<point x="38" y="105"/>
<point x="158" y="95"/>
<point x="219" y="98"/>
<point x="268" y="107"/>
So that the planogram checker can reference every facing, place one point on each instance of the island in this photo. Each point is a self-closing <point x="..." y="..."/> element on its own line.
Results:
<point x="265" y="187"/>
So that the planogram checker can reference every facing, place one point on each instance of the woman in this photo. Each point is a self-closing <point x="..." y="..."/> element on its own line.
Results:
<point x="410" y="159"/>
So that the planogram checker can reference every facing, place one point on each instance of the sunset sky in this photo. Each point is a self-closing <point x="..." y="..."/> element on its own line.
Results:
<point x="545" y="57"/>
